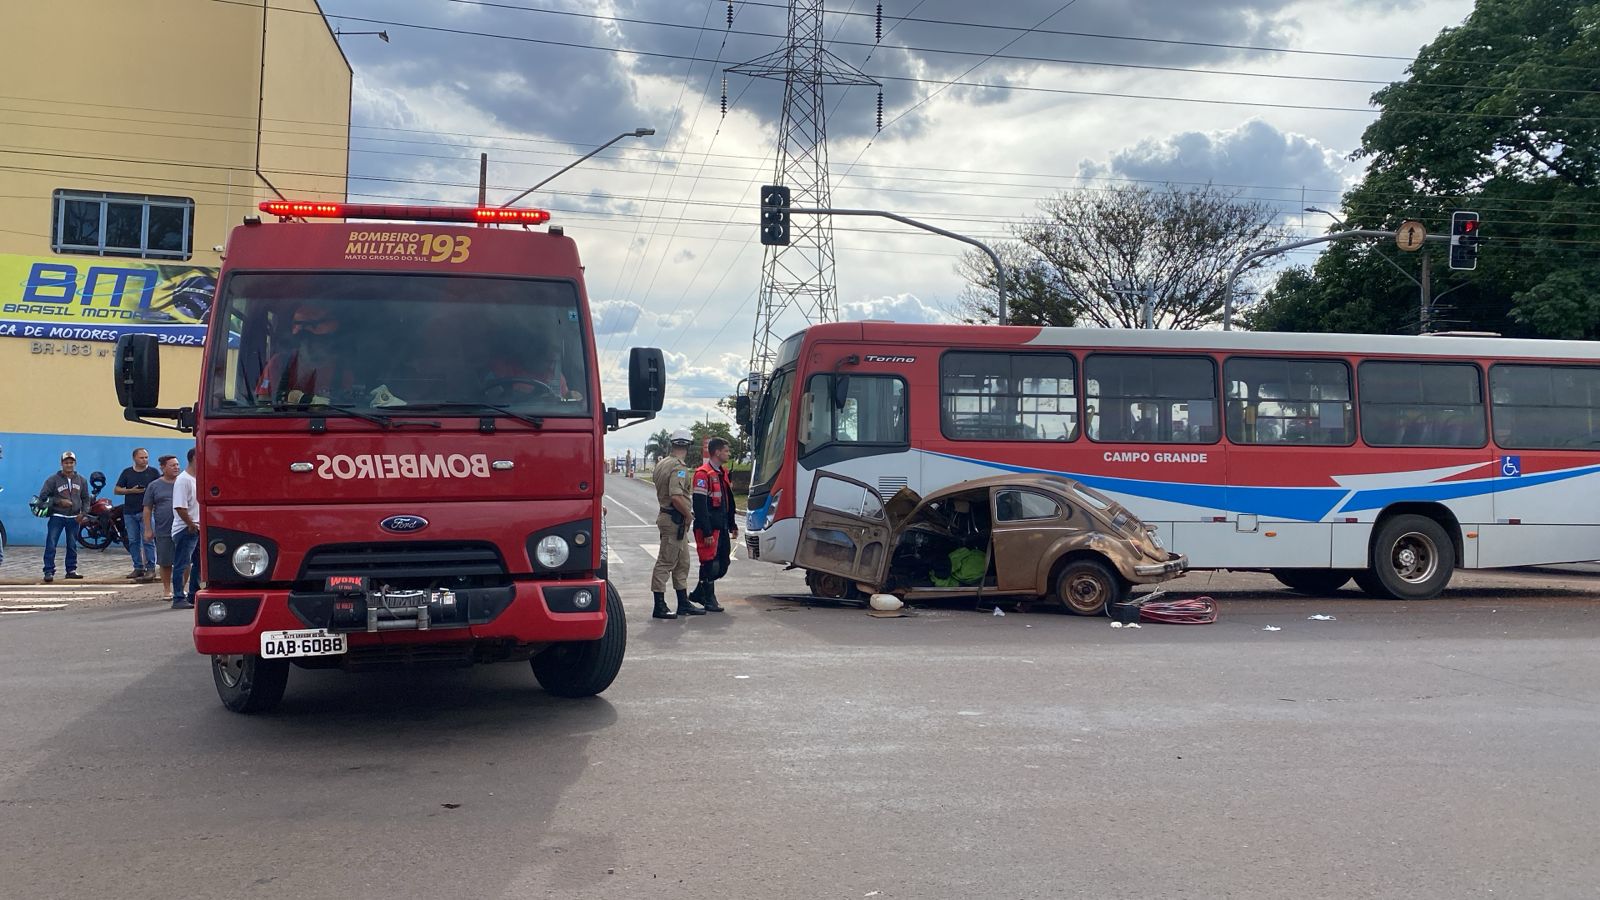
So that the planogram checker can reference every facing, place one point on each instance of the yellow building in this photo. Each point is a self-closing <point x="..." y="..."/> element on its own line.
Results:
<point x="136" y="135"/>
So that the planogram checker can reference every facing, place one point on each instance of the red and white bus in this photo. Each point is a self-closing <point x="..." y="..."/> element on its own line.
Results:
<point x="1392" y="460"/>
<point x="400" y="461"/>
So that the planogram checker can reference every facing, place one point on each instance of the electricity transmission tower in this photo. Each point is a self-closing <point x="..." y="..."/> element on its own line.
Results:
<point x="800" y="275"/>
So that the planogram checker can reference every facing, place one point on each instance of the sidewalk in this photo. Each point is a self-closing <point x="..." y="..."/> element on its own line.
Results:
<point x="25" y="565"/>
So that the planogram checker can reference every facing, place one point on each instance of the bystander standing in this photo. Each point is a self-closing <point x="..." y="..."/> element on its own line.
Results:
<point x="185" y="537"/>
<point x="158" y="518"/>
<point x="66" y="494"/>
<point x="131" y="485"/>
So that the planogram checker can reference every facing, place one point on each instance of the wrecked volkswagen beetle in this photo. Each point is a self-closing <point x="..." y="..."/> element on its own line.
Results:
<point x="1028" y="535"/>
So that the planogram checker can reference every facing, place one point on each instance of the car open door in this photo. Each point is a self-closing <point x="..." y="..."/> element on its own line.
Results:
<point x="845" y="531"/>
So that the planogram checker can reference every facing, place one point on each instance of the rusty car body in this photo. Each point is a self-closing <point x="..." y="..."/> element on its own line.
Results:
<point x="1041" y="536"/>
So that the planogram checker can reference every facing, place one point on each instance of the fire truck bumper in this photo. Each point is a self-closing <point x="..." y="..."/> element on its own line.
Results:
<point x="234" y="621"/>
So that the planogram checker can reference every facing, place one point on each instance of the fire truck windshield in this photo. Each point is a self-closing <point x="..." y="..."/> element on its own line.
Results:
<point x="301" y="343"/>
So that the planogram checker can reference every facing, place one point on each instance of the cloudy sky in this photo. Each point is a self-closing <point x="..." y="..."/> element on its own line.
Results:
<point x="988" y="108"/>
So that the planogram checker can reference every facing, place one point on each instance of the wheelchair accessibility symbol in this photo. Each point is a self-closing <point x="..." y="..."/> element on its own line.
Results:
<point x="1510" y="466"/>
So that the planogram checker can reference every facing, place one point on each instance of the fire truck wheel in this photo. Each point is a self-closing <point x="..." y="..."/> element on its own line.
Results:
<point x="585" y="668"/>
<point x="248" y="683"/>
<point x="1088" y="587"/>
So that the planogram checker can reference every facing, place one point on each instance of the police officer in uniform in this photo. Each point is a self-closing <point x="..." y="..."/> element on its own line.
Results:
<point x="673" y="497"/>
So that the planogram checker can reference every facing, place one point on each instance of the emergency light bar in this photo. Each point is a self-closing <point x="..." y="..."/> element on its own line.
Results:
<point x="311" y="210"/>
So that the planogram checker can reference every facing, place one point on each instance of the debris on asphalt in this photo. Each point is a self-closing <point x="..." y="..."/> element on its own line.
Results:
<point x="1272" y="628"/>
<point x="998" y="611"/>
<point x="1319" y="617"/>
<point x="885" y="602"/>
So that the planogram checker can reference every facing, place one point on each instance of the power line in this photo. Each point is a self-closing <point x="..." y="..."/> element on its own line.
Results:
<point x="835" y="40"/>
<point x="913" y="80"/>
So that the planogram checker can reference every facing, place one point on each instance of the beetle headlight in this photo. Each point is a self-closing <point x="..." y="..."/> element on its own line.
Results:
<point x="250" y="560"/>
<point x="552" y="551"/>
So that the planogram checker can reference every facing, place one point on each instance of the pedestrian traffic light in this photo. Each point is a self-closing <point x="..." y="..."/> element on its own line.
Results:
<point x="1463" y="240"/>
<point x="775" y="215"/>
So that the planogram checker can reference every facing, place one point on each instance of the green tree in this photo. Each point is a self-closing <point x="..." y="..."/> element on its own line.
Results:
<point x="703" y="431"/>
<point x="659" y="445"/>
<point x="1499" y="115"/>
<point x="1089" y="255"/>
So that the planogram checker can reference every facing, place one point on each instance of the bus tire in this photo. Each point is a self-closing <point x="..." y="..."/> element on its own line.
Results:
<point x="1412" y="559"/>
<point x="1312" y="581"/>
<point x="249" y="684"/>
<point x="585" y="668"/>
<point x="1088" y="587"/>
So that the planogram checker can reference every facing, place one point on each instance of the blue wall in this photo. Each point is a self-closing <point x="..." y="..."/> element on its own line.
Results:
<point x="31" y="458"/>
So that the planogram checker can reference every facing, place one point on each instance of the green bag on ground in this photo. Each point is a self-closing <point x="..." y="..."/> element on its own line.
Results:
<point x="966" y="568"/>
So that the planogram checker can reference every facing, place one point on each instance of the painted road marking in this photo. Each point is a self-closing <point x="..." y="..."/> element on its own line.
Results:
<point x="630" y="512"/>
<point x="650" y="549"/>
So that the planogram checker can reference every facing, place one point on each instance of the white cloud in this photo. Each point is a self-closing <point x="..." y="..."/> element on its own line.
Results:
<point x="896" y="308"/>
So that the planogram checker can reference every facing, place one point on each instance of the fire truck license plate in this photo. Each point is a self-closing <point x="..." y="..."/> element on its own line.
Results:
<point x="309" y="642"/>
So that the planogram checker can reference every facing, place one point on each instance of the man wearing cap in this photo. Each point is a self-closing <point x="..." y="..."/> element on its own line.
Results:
<point x="671" y="477"/>
<point x="66" y="494"/>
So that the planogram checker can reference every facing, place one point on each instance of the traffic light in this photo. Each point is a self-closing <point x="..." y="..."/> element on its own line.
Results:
<point x="775" y="215"/>
<point x="1463" y="240"/>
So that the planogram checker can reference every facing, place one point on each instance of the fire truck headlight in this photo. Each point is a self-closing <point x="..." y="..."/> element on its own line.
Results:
<point x="250" y="560"/>
<point x="216" y="612"/>
<point x="552" y="551"/>
<point x="583" y="599"/>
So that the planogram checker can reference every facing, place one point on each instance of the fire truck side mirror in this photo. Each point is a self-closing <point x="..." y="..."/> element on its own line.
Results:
<point x="138" y="371"/>
<point x="647" y="379"/>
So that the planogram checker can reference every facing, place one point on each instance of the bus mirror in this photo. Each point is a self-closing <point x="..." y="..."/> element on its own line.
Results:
<point x="841" y="390"/>
<point x="741" y="412"/>
<point x="647" y="379"/>
<point x="138" y="371"/>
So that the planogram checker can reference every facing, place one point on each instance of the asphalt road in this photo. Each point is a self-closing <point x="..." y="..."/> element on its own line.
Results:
<point x="1443" y="749"/>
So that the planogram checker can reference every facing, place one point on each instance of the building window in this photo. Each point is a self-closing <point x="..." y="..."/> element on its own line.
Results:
<point x="138" y="225"/>
<point x="1009" y="396"/>
<point x="1288" y="401"/>
<point x="1406" y="404"/>
<point x="1141" y="399"/>
<point x="1546" y="407"/>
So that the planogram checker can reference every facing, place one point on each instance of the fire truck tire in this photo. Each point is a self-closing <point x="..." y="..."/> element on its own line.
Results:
<point x="585" y="668"/>
<point x="1412" y="559"/>
<point x="248" y="683"/>
<point x="1088" y="587"/>
<point x="1312" y="581"/>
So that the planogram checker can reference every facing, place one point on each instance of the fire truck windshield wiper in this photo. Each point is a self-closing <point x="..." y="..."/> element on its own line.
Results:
<point x="315" y="408"/>
<point x="535" y="421"/>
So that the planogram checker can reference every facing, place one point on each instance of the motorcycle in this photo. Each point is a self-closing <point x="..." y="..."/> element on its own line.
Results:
<point x="103" y="526"/>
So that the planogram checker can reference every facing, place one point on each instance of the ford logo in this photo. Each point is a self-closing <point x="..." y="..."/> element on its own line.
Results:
<point x="403" y="524"/>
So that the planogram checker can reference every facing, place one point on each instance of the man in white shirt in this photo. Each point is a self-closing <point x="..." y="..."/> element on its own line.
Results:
<point x="185" y="537"/>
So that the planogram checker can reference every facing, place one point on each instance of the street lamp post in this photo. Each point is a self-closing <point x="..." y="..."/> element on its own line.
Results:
<point x="637" y="132"/>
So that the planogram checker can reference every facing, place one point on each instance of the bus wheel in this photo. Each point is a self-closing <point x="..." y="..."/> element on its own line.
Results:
<point x="248" y="683"/>
<point x="585" y="668"/>
<point x="1312" y="581"/>
<point x="1088" y="586"/>
<point x="1412" y="559"/>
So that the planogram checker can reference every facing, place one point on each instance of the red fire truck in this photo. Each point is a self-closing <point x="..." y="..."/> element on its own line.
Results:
<point x="399" y="456"/>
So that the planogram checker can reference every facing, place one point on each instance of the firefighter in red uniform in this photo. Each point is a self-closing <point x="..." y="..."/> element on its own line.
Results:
<point x="714" y="524"/>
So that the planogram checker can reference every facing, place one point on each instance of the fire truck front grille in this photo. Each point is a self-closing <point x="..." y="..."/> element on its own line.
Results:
<point x="397" y="563"/>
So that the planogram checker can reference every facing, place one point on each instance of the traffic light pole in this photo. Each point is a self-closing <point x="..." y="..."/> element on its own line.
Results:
<point x="999" y="267"/>
<point x="1239" y="267"/>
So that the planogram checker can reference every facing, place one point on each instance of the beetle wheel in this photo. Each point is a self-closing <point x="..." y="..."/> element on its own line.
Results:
<point x="1088" y="587"/>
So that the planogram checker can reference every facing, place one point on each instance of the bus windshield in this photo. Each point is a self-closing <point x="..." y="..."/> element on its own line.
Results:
<point x="297" y="341"/>
<point x="772" y="429"/>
